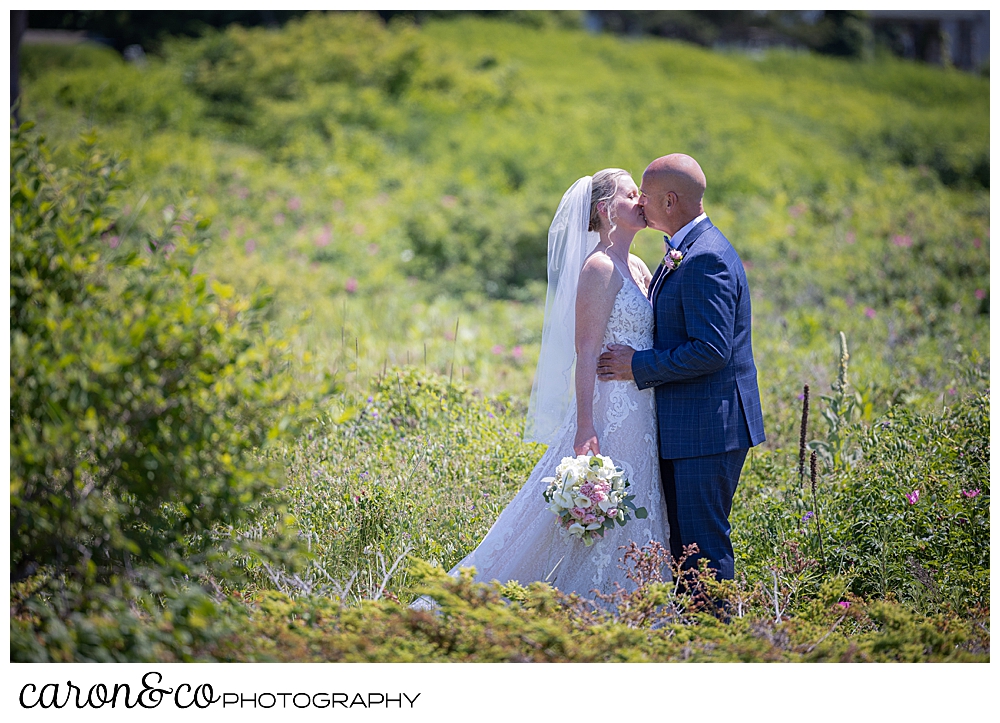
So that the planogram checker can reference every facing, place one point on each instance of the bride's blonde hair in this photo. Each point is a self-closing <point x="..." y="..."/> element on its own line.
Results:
<point x="604" y="187"/>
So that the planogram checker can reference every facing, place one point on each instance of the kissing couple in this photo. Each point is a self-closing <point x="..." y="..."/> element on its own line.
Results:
<point x="654" y="370"/>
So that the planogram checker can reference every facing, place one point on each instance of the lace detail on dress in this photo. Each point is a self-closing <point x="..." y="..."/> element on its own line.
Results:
<point x="525" y="543"/>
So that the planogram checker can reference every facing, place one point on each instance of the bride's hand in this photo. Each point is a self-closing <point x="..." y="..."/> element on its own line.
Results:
<point x="586" y="441"/>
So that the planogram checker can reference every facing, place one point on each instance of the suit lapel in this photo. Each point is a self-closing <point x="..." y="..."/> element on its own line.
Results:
<point x="663" y="272"/>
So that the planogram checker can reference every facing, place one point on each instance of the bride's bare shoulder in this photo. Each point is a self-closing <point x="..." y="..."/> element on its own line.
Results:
<point x="598" y="268"/>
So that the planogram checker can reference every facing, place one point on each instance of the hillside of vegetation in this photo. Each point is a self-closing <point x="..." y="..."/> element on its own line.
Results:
<point x="327" y="246"/>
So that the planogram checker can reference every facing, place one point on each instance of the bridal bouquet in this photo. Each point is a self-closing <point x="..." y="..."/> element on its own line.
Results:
<point x="589" y="493"/>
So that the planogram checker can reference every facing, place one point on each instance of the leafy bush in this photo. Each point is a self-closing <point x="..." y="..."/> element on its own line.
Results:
<point x="140" y="390"/>
<point x="421" y="466"/>
<point x="474" y="623"/>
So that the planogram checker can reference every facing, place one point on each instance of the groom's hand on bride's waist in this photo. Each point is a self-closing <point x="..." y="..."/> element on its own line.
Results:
<point x="615" y="363"/>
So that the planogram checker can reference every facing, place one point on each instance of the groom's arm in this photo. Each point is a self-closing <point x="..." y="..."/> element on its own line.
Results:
<point x="708" y="296"/>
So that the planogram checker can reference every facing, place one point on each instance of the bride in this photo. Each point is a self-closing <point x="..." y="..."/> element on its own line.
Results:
<point x="596" y="296"/>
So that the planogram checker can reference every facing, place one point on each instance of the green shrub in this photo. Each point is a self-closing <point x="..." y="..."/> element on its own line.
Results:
<point x="140" y="390"/>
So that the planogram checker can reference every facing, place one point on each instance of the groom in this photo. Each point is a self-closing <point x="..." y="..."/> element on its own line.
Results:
<point x="701" y="363"/>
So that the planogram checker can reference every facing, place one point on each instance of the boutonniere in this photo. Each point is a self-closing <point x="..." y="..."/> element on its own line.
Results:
<point x="672" y="259"/>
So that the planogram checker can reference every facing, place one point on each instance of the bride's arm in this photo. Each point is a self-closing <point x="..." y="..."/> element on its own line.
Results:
<point x="595" y="299"/>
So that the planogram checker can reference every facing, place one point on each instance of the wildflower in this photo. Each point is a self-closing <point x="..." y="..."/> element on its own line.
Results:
<point x="351" y="285"/>
<point x="807" y="516"/>
<point x="490" y="415"/>
<point x="294" y="204"/>
<point x="971" y="493"/>
<point x="250" y="246"/>
<point x="851" y="237"/>
<point x="114" y="241"/>
<point x="912" y="497"/>
<point x="370" y="400"/>
<point x="902" y="241"/>
<point x="869" y="312"/>
<point x="980" y="294"/>
<point x="977" y="243"/>
<point x="497" y="349"/>
<point x="951" y="391"/>
<point x="517" y="352"/>
<point x="844" y="604"/>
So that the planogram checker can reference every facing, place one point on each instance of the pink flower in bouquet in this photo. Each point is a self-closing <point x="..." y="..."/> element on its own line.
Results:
<point x="912" y="497"/>
<point x="612" y="512"/>
<point x="578" y="512"/>
<point x="589" y="519"/>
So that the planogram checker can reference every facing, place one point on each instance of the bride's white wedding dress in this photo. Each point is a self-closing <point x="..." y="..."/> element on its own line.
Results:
<point x="526" y="543"/>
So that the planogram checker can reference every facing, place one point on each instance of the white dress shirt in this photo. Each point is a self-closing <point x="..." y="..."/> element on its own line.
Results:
<point x="675" y="240"/>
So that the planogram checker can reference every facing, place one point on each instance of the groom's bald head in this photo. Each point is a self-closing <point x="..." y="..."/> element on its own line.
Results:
<point x="674" y="187"/>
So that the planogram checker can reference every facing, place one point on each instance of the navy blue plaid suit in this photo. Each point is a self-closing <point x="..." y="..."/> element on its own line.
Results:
<point x="707" y="401"/>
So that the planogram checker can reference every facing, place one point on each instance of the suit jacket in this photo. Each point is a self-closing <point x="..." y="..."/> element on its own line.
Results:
<point x="701" y="363"/>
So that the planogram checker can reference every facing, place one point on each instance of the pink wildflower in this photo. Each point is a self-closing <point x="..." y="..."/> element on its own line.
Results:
<point x="250" y="246"/>
<point x="497" y="349"/>
<point x="980" y="294"/>
<point x="977" y="243"/>
<point x="902" y="241"/>
<point x="294" y="204"/>
<point x="971" y="493"/>
<point x="351" y="285"/>
<point x="850" y="237"/>
<point x="517" y="352"/>
<point x="325" y="236"/>
<point x="912" y="497"/>
<point x="844" y="604"/>
<point x="869" y="312"/>
<point x="114" y="241"/>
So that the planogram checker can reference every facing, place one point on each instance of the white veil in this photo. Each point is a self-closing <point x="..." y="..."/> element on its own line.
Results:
<point x="569" y="245"/>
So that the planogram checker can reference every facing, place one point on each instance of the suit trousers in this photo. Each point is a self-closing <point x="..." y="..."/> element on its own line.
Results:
<point x="699" y="495"/>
